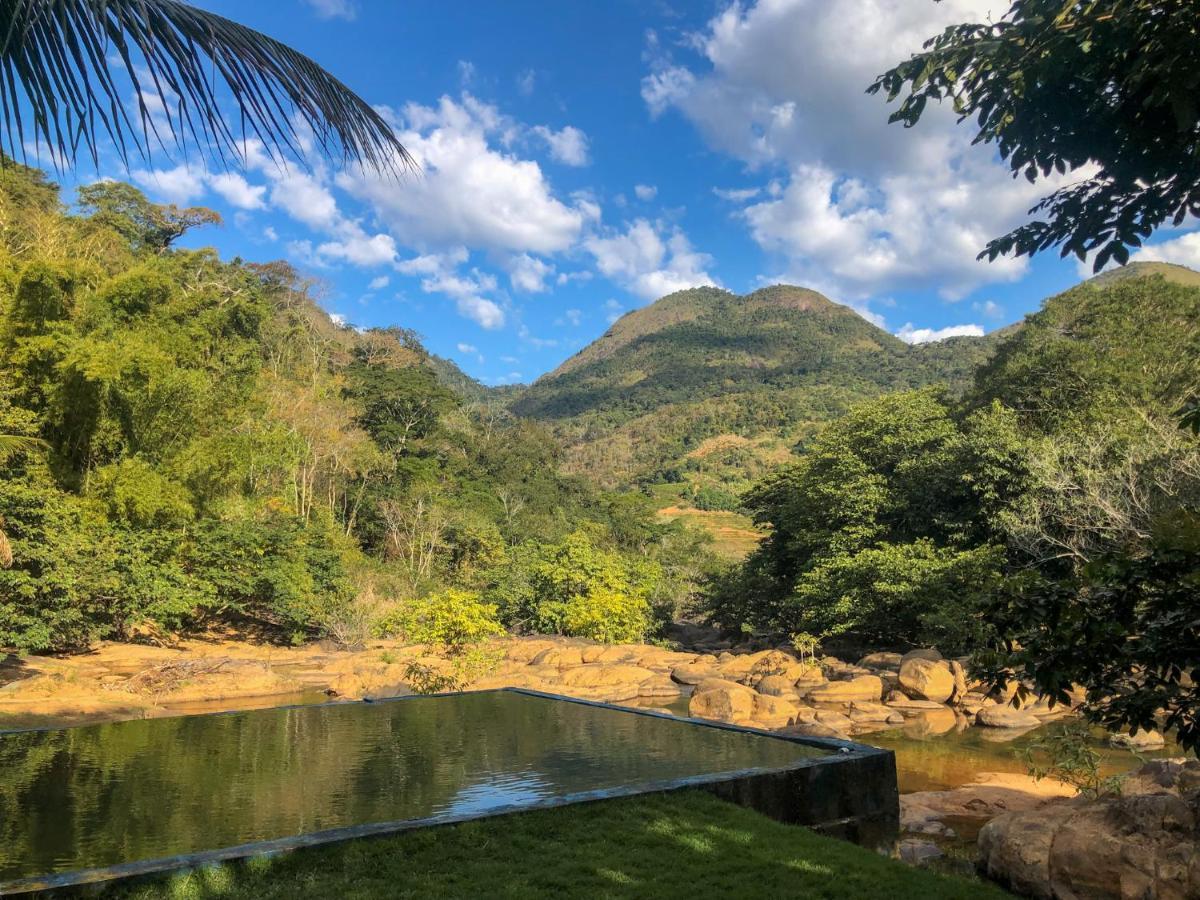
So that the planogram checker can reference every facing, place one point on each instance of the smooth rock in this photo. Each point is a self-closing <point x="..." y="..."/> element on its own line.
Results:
<point x="773" y="712"/>
<point x="928" y="653"/>
<point x="925" y="679"/>
<point x="777" y="686"/>
<point x="1139" y="740"/>
<point x="658" y="686"/>
<point x="881" y="661"/>
<point x="864" y="687"/>
<point x="1006" y="717"/>
<point x="724" y="701"/>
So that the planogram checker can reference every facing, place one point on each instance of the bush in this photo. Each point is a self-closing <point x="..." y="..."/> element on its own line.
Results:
<point x="451" y="619"/>
<point x="575" y="588"/>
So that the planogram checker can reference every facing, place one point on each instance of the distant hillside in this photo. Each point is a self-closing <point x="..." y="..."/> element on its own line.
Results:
<point x="1126" y="339"/>
<point x="639" y="402"/>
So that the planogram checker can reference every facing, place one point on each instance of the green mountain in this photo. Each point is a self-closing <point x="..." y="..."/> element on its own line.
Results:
<point x="708" y="383"/>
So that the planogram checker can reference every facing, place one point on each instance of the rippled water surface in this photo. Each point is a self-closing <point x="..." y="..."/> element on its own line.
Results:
<point x="120" y="792"/>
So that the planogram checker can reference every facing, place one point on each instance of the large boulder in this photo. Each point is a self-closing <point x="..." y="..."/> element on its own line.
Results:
<point x="599" y="675"/>
<point x="659" y="687"/>
<point x="864" y="687"/>
<point x="701" y="669"/>
<point x="1145" y="843"/>
<point x="1006" y="717"/>
<point x="925" y="679"/>
<point x="928" y="653"/>
<point x="562" y="657"/>
<point x="881" y="661"/>
<point x="778" y="686"/>
<point x="722" y="700"/>
<point x="773" y="712"/>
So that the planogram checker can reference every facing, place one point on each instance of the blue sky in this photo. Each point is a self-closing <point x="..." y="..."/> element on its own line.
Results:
<point x="580" y="159"/>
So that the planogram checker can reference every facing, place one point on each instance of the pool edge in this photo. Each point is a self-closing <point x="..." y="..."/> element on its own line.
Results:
<point x="851" y="794"/>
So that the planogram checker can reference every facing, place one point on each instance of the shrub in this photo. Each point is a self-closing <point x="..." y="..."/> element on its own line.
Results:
<point x="451" y="619"/>
<point x="575" y="588"/>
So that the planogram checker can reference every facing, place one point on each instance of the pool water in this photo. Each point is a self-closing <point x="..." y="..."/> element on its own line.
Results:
<point x="103" y="795"/>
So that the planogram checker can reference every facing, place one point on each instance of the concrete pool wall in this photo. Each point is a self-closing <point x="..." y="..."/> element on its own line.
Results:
<point x="836" y="787"/>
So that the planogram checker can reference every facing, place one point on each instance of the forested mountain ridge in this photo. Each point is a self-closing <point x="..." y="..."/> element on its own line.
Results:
<point x="767" y="366"/>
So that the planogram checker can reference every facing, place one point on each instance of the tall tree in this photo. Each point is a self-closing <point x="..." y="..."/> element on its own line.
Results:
<point x="1057" y="85"/>
<point x="62" y="90"/>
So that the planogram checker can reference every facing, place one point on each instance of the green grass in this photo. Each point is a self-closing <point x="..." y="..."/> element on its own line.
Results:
<point x="687" y="845"/>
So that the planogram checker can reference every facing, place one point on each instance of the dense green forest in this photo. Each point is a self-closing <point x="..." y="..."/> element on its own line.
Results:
<point x="1047" y="519"/>
<point x="187" y="440"/>
<point x="899" y="520"/>
<point x="638" y="404"/>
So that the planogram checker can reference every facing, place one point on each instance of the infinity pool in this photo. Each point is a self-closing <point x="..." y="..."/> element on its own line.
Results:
<point x="124" y="793"/>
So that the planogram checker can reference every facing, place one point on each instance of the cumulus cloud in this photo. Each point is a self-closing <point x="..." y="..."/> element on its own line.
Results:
<point x="236" y="191"/>
<point x="528" y="273"/>
<point x="650" y="260"/>
<point x="645" y="192"/>
<point x="568" y="146"/>
<point x="861" y="206"/>
<point x="378" y="283"/>
<point x="912" y="335"/>
<point x="440" y="274"/>
<point x="472" y="190"/>
<point x="179" y="185"/>
<point x="1184" y="251"/>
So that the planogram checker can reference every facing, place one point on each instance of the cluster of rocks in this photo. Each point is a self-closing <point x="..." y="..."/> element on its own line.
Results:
<point x="1143" y="842"/>
<point x="831" y="698"/>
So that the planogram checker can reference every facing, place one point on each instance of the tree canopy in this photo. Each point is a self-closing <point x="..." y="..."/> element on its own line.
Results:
<point x="1107" y="89"/>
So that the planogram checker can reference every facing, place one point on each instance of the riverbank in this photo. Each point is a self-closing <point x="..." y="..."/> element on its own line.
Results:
<point x="956" y="772"/>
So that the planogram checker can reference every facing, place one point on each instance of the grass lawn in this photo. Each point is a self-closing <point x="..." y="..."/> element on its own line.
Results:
<point x="686" y="845"/>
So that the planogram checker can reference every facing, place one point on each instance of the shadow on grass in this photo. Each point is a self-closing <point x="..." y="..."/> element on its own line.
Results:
<point x="686" y="845"/>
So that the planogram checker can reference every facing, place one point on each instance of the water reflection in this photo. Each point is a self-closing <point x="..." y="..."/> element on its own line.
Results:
<point x="118" y="792"/>
<point x="939" y="754"/>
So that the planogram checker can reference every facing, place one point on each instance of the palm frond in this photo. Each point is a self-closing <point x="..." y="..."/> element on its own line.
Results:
<point x="15" y="443"/>
<point x="62" y="85"/>
<point x="6" y="554"/>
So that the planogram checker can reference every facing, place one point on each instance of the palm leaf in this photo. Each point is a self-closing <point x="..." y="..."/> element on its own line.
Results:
<point x="61" y="85"/>
<point x="15" y="443"/>
<point x="6" y="554"/>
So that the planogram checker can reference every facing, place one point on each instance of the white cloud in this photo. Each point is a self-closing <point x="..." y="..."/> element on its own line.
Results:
<point x="1183" y="250"/>
<point x="179" y="185"/>
<point x="864" y="205"/>
<point x="648" y="264"/>
<point x="526" y="82"/>
<point x="737" y="195"/>
<point x="567" y="277"/>
<point x="270" y="233"/>
<point x="440" y="275"/>
<point x="467" y="348"/>
<point x="334" y="9"/>
<point x="471" y="191"/>
<point x="614" y="309"/>
<point x="645" y="192"/>
<point x="338" y="319"/>
<point x="573" y="316"/>
<point x="568" y="146"/>
<point x="912" y="335"/>
<point x="379" y="283"/>
<point x="236" y="191"/>
<point x="528" y="273"/>
<point x="305" y="199"/>
<point x="359" y="248"/>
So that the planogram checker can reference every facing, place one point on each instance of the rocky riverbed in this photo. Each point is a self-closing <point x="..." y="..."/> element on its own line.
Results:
<point x="886" y="698"/>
